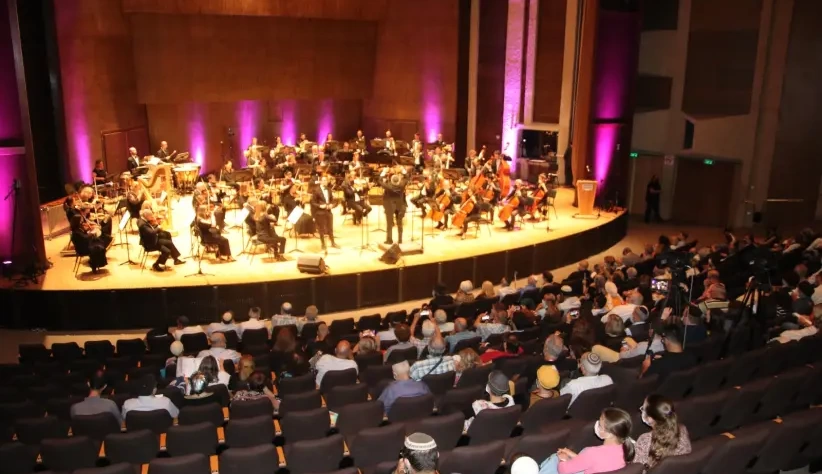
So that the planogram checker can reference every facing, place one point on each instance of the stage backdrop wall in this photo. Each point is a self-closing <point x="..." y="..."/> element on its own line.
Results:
<point x="190" y="70"/>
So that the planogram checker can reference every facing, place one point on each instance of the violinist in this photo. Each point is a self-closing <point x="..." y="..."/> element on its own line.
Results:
<point x="289" y="165"/>
<point x="87" y="240"/>
<point x="302" y="143"/>
<point x="394" y="200"/>
<point x="91" y="204"/>
<point x="261" y="168"/>
<point x="326" y="147"/>
<point x="265" y="231"/>
<point x="353" y="193"/>
<point x="437" y="160"/>
<point x="427" y="191"/>
<point x="208" y="194"/>
<point x="471" y="208"/>
<point x="267" y="196"/>
<point x="416" y="141"/>
<point x="134" y="199"/>
<point x="447" y="210"/>
<point x="356" y="165"/>
<point x="288" y="193"/>
<point x="322" y="201"/>
<point x="99" y="173"/>
<point x="211" y="234"/>
<point x="154" y="238"/>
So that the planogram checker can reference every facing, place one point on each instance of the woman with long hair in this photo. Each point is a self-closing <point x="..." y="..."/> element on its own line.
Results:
<point x="666" y="438"/>
<point x="287" y="359"/>
<point x="617" y="448"/>
<point x="212" y="371"/>
<point x="464" y="360"/>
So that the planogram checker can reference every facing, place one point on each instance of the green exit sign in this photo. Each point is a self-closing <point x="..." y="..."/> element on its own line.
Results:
<point x="708" y="162"/>
<point x="634" y="154"/>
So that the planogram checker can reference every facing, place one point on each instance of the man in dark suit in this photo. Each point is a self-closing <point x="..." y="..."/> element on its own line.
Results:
<point x="154" y="238"/>
<point x="321" y="204"/>
<point x="133" y="161"/>
<point x="394" y="201"/>
<point x="353" y="199"/>
<point x="163" y="152"/>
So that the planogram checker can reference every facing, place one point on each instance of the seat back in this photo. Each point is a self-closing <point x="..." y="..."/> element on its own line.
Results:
<point x="194" y="343"/>
<point x="35" y="430"/>
<point x="784" y="442"/>
<point x="471" y="342"/>
<point x="699" y="414"/>
<point x="66" y="351"/>
<point x="341" y="327"/>
<point x="440" y="383"/>
<point x="190" y="464"/>
<point x="305" y="425"/>
<point x="68" y="454"/>
<point x="96" y="427"/>
<point x="243" y="409"/>
<point x="356" y="417"/>
<point x="17" y="458"/>
<point x="370" y="322"/>
<point x="398" y="355"/>
<point x="734" y="455"/>
<point x="130" y="347"/>
<point x="300" y="402"/>
<point x="445" y="429"/>
<point x="741" y="404"/>
<point x="134" y="447"/>
<point x="249" y="431"/>
<point x="542" y="445"/>
<point x="343" y="395"/>
<point x="299" y="384"/>
<point x="473" y="459"/>
<point x="475" y="376"/>
<point x="411" y="408"/>
<point x="374" y="374"/>
<point x="677" y="385"/>
<point x="711" y="377"/>
<point x="156" y="421"/>
<point x="321" y="455"/>
<point x="684" y="464"/>
<point x="590" y="403"/>
<point x="493" y="424"/>
<point x="210" y="413"/>
<point x="255" y="337"/>
<point x="99" y="350"/>
<point x="366" y="360"/>
<point x="545" y="411"/>
<point x="336" y="378"/>
<point x="459" y="400"/>
<point x="200" y="438"/>
<point x="254" y="460"/>
<point x="377" y="445"/>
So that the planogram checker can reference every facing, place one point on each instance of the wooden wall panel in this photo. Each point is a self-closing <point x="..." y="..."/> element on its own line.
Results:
<point x="797" y="168"/>
<point x="11" y="131"/>
<point x="493" y="25"/>
<point x="653" y="92"/>
<point x="415" y="77"/>
<point x="370" y="10"/>
<point x="180" y="58"/>
<point x="549" y="59"/>
<point x="97" y="69"/>
<point x="691" y="205"/>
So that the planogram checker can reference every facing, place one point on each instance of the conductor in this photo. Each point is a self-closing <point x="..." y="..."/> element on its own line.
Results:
<point x="394" y="200"/>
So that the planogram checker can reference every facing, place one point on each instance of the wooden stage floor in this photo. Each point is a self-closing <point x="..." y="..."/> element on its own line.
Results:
<point x="349" y="259"/>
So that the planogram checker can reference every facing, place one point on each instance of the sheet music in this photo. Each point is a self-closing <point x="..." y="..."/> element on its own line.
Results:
<point x="295" y="215"/>
<point x="124" y="220"/>
<point x="188" y="365"/>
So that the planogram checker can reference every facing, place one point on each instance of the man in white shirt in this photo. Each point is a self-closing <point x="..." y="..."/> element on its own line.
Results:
<point x="184" y="327"/>
<point x="589" y="365"/>
<point x="505" y="288"/>
<point x="146" y="399"/>
<point x="284" y="318"/>
<point x="225" y="324"/>
<point x="219" y="351"/>
<point x="254" y="322"/>
<point x="341" y="360"/>
<point x="625" y="311"/>
<point x="498" y="324"/>
<point x="569" y="301"/>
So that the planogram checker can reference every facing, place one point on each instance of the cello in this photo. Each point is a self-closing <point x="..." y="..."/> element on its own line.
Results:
<point x="508" y="208"/>
<point x="437" y="212"/>
<point x="466" y="208"/>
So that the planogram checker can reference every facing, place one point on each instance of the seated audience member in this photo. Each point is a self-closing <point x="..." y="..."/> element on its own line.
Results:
<point x="629" y="258"/>
<point x="322" y="343"/>
<point x="612" y="298"/>
<point x="465" y="292"/>
<point x="553" y="353"/>
<point x="184" y="326"/>
<point x="505" y="288"/>
<point x="614" y="333"/>
<point x="632" y="348"/>
<point x="429" y="328"/>
<point x="176" y="349"/>
<point x="438" y="362"/>
<point x="568" y="301"/>
<point x="498" y="389"/>
<point x="693" y="327"/>
<point x="225" y="324"/>
<point x="548" y="311"/>
<point x="94" y="403"/>
<point x="402" y="386"/>
<point x="672" y="359"/>
<point x="219" y="351"/>
<point x="498" y="322"/>
<point x="312" y="315"/>
<point x="530" y="284"/>
<point x="403" y="334"/>
<point x="342" y="359"/>
<point x="419" y="455"/>
<point x="461" y="332"/>
<point x="810" y="327"/>
<point x="441" y="318"/>
<point x="487" y="291"/>
<point x="367" y="344"/>
<point x="644" y="288"/>
<point x="711" y="281"/>
<point x="464" y="360"/>
<point x="510" y="348"/>
<point x="589" y="366"/>
<point x="524" y="317"/>
<point x="666" y="438"/>
<point x="547" y="383"/>
<point x="239" y="379"/>
<point x="717" y="299"/>
<point x="213" y="371"/>
<point x="254" y="322"/>
<point x="257" y="387"/>
<point x="440" y="297"/>
<point x="617" y="449"/>
<point x="285" y="318"/>
<point x="581" y="273"/>
<point x="638" y="329"/>
<point x="625" y="310"/>
<point x="146" y="401"/>
<point x="197" y="394"/>
<point x="631" y="281"/>
<point x="548" y="285"/>
<point x="287" y="359"/>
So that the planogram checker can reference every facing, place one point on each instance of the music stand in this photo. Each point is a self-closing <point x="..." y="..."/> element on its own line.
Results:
<point x="365" y="239"/>
<point x="243" y="216"/>
<point x="121" y="227"/>
<point x="121" y="204"/>
<point x="293" y="218"/>
<point x="199" y="271"/>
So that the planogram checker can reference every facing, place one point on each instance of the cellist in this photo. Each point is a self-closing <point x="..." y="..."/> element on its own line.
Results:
<point x="468" y="212"/>
<point x="515" y="203"/>
<point x="540" y="194"/>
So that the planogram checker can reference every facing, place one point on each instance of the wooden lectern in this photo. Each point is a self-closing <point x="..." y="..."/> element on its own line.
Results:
<point x="586" y="193"/>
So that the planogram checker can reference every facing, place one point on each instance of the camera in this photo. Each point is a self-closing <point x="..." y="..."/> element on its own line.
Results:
<point x="660" y="286"/>
<point x="574" y="313"/>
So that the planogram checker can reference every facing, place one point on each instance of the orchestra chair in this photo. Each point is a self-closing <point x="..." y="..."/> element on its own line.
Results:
<point x="549" y="202"/>
<point x="79" y="253"/>
<point x="251" y="247"/>
<point x="203" y="247"/>
<point x="144" y="253"/>
<point x="482" y="221"/>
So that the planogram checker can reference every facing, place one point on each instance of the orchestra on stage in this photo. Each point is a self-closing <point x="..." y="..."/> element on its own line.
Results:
<point x="299" y="187"/>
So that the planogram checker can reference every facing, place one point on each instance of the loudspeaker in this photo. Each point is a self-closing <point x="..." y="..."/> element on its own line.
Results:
<point x="392" y="255"/>
<point x="313" y="264"/>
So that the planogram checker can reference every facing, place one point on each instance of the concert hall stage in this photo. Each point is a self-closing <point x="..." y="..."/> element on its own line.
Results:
<point x="124" y="296"/>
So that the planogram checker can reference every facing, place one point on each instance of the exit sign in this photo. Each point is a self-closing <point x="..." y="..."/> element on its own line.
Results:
<point x="634" y="154"/>
<point x="708" y="162"/>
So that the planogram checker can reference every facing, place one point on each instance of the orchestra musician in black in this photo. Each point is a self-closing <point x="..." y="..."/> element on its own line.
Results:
<point x="133" y="162"/>
<point x="473" y="215"/>
<point x="354" y="199"/>
<point x="427" y="191"/>
<point x="394" y="200"/>
<point x="265" y="231"/>
<point x="163" y="153"/>
<point x="154" y="238"/>
<point x="99" y="173"/>
<point x="360" y="143"/>
<point x="322" y="201"/>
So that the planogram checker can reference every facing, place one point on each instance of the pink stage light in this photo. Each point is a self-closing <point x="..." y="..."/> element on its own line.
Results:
<point x="288" y="130"/>
<point x="196" y="134"/>
<point x="326" y="124"/>
<point x="605" y="140"/>
<point x="248" y="113"/>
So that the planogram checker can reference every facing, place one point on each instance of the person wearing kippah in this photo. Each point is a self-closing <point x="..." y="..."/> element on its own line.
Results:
<point x="499" y="387"/>
<point x="589" y="366"/>
<point x="547" y="382"/>
<point x="419" y="455"/>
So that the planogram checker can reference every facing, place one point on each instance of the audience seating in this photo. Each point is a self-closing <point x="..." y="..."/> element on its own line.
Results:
<point x="199" y="438"/>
